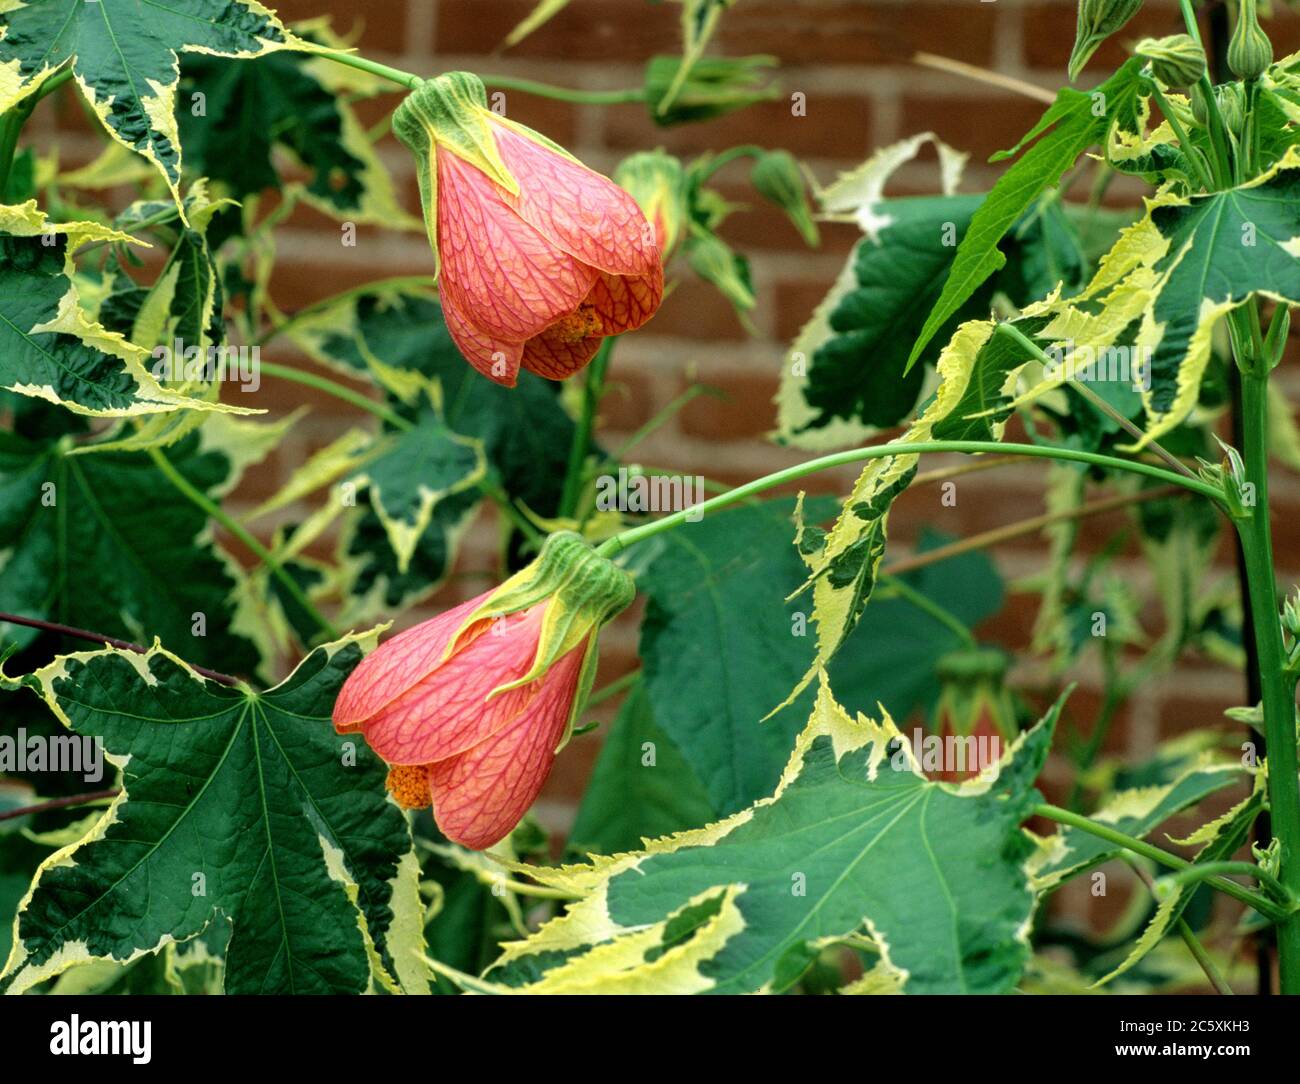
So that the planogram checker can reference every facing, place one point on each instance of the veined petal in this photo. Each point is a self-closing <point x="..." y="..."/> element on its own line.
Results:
<point x="497" y="359"/>
<point x="556" y="356"/>
<point x="449" y="710"/>
<point x="391" y="669"/>
<point x="479" y="796"/>
<point x="578" y="209"/>
<point x="624" y="304"/>
<point x="507" y="279"/>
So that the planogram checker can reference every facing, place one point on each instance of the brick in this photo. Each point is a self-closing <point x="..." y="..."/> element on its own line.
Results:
<point x="695" y="310"/>
<point x="744" y="411"/>
<point x="1049" y="37"/>
<point x="836" y="126"/>
<point x="980" y="126"/>
<point x="629" y="403"/>
<point x="585" y="30"/>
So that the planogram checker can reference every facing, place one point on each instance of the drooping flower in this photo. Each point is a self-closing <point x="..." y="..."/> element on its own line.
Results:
<point x="973" y="717"/>
<point x="469" y="709"/>
<point x="540" y="258"/>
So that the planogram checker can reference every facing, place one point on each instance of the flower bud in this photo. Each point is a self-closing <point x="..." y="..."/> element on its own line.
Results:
<point x="714" y="261"/>
<point x="777" y="177"/>
<point x="710" y="87"/>
<point x="1098" y="20"/>
<point x="973" y="714"/>
<point x="657" y="182"/>
<point x="1249" y="50"/>
<point x="1176" y="61"/>
<point x="1231" y="100"/>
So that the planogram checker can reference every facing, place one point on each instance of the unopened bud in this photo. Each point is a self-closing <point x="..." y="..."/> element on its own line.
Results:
<point x="709" y="87"/>
<point x="777" y="177"/>
<point x="1249" y="50"/>
<point x="1176" y="61"/>
<point x="1098" y="20"/>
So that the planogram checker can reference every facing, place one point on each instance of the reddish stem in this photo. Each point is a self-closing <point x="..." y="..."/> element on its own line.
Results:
<point x="111" y="641"/>
<point x="59" y="803"/>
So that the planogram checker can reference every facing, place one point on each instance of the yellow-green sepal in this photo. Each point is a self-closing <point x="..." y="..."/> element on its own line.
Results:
<point x="581" y="592"/>
<point x="449" y="112"/>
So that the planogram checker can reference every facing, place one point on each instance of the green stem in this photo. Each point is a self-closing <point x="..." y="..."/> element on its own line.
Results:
<point x="564" y="94"/>
<point x="1277" y="686"/>
<point x="201" y="500"/>
<point x="1010" y="331"/>
<point x="159" y="219"/>
<point x="1206" y="870"/>
<point x="1238" y="892"/>
<point x="927" y="605"/>
<point x="339" y="391"/>
<point x="592" y="390"/>
<point x="709" y="168"/>
<point x="621" y="541"/>
<point x="403" y="78"/>
<point x="1202" y="957"/>
<point x="1191" y="152"/>
<point x="1221" y="167"/>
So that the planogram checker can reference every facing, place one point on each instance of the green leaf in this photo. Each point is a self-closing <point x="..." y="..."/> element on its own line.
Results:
<point x="105" y="542"/>
<point x="641" y="787"/>
<point x="50" y="348"/>
<point x="1075" y="122"/>
<point x="238" y="807"/>
<point x="124" y="57"/>
<point x="853" y="840"/>
<point x="292" y="102"/>
<point x="716" y="623"/>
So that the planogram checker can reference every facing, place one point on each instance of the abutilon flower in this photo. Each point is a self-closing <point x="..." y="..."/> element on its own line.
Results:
<point x="469" y="709"/>
<point x="539" y="257"/>
<point x="973" y="716"/>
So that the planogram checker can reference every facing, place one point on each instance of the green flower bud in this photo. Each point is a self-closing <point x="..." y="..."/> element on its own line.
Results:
<point x="1176" y="61"/>
<point x="657" y="182"/>
<point x="708" y="88"/>
<point x="1098" y="20"/>
<point x="714" y="261"/>
<point x="1231" y="100"/>
<point x="777" y="177"/>
<point x="1249" y="50"/>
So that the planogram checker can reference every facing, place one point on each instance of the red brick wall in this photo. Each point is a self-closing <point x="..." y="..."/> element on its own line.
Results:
<point x="850" y="58"/>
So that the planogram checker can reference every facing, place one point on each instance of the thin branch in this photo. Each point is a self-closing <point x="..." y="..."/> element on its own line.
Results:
<point x="983" y="75"/>
<point x="110" y="641"/>
<point x="1024" y="527"/>
<point x="59" y="803"/>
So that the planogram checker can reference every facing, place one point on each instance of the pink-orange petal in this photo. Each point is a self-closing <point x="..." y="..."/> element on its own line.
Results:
<point x="506" y="278"/>
<point x="624" y="304"/>
<point x="556" y="358"/>
<point x="582" y="211"/>
<point x="449" y="711"/>
<point x="479" y="796"/>
<point x="496" y="359"/>
<point x="396" y="665"/>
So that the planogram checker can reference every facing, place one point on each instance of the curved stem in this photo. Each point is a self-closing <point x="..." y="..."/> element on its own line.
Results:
<point x="396" y="75"/>
<point x="12" y="124"/>
<point x="1238" y="892"/>
<point x="241" y="532"/>
<point x="339" y="391"/>
<point x="110" y="641"/>
<point x="564" y="94"/>
<point x="879" y="451"/>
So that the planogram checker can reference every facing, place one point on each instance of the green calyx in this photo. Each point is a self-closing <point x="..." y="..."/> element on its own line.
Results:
<point x="449" y="112"/>
<point x="1249" y="50"/>
<point x="776" y="176"/>
<point x="581" y="592"/>
<point x="972" y="688"/>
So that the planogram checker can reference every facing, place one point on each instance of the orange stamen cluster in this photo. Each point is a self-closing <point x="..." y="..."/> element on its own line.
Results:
<point x="409" y="785"/>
